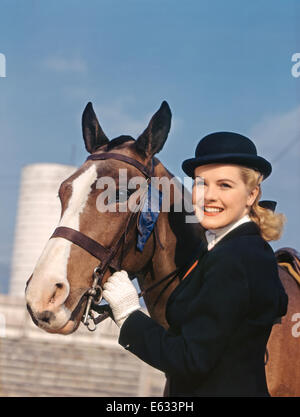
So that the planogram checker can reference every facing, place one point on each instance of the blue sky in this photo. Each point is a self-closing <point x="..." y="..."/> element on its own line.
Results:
<point x="221" y="65"/>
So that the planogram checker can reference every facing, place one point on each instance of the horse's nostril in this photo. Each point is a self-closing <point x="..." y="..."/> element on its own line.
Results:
<point x="57" y="288"/>
<point x="46" y="316"/>
<point x="59" y="293"/>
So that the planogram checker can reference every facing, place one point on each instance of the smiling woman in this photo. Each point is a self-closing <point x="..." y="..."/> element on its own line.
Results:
<point x="221" y="314"/>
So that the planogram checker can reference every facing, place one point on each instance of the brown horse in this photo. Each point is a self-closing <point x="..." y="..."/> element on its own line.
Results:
<point x="56" y="293"/>
<point x="283" y="365"/>
<point x="56" y="290"/>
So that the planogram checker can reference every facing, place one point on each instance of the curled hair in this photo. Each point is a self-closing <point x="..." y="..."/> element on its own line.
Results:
<point x="270" y="223"/>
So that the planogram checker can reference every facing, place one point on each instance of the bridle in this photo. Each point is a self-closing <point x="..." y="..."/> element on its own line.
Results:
<point x="107" y="256"/>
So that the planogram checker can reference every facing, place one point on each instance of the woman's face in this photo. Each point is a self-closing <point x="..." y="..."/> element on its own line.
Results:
<point x="220" y="196"/>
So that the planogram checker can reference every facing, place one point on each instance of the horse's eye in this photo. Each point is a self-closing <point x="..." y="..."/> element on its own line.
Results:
<point x="123" y="194"/>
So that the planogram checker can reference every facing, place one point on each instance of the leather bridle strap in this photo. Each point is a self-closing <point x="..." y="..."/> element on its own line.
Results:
<point x="85" y="242"/>
<point x="111" y="155"/>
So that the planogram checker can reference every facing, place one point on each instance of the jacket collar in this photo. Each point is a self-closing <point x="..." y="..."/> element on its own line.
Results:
<point x="215" y="235"/>
<point x="248" y="228"/>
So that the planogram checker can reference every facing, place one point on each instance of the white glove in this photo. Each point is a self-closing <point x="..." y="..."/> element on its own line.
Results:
<point x="121" y="295"/>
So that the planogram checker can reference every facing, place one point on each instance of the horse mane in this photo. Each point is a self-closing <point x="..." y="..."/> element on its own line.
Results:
<point x="117" y="141"/>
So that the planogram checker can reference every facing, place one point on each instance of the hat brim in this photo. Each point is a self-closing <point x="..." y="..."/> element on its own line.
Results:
<point x="249" y="161"/>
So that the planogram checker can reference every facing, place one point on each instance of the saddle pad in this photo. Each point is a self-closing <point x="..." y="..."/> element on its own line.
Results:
<point x="289" y="259"/>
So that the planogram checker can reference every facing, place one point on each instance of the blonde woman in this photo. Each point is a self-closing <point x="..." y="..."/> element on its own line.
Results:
<point x="222" y="312"/>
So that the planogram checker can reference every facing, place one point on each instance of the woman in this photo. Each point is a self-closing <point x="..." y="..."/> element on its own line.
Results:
<point x="222" y="312"/>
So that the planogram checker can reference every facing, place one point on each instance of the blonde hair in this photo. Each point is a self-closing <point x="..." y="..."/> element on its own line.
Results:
<point x="270" y="223"/>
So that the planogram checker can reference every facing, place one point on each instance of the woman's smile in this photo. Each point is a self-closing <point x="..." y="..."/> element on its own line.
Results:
<point x="212" y="210"/>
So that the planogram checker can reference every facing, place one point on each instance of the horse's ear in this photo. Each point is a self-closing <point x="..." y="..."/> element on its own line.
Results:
<point x="93" y="135"/>
<point x="152" y="140"/>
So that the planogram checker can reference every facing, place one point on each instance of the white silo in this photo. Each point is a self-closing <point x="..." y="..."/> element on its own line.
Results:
<point x="37" y="216"/>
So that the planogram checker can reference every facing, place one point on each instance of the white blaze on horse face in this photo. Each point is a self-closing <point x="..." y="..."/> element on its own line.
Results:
<point x="81" y="188"/>
<point x="52" y="266"/>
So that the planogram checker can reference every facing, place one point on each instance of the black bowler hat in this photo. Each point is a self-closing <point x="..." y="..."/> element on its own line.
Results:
<point x="227" y="147"/>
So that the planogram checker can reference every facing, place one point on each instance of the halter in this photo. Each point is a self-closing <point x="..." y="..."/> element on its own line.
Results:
<point x="107" y="256"/>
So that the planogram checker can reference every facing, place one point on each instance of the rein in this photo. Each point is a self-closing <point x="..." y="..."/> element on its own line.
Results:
<point x="107" y="256"/>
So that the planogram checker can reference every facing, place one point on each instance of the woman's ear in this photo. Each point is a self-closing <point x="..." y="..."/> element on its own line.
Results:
<point x="253" y="195"/>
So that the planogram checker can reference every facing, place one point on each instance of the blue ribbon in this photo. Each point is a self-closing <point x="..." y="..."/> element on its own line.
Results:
<point x="148" y="216"/>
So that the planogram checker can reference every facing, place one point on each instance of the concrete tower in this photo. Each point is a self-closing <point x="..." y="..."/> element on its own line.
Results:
<point x="37" y="216"/>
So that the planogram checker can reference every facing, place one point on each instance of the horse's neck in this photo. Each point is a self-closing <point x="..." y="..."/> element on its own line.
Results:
<point x="178" y="231"/>
<point x="175" y="241"/>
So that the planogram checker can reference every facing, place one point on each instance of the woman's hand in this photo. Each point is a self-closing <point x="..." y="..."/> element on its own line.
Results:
<point x="121" y="295"/>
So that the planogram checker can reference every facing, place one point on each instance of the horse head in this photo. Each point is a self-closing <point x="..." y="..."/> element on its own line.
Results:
<point x="56" y="291"/>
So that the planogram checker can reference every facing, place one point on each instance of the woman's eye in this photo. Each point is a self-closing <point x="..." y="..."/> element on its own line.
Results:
<point x="225" y="185"/>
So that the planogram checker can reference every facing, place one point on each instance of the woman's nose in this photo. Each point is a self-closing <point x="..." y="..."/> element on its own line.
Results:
<point x="210" y="194"/>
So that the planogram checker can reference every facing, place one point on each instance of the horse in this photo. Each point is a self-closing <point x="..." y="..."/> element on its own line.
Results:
<point x="56" y="291"/>
<point x="283" y="366"/>
<point x="64" y="287"/>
